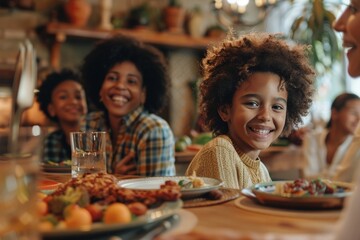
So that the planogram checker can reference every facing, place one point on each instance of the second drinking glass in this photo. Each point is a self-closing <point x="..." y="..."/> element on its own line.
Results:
<point x="88" y="153"/>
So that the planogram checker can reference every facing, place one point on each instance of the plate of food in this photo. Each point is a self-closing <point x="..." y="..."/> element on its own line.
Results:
<point x="63" y="167"/>
<point x="301" y="193"/>
<point x="190" y="186"/>
<point x="94" y="205"/>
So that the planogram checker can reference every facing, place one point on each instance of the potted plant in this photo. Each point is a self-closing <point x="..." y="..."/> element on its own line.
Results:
<point x="174" y="17"/>
<point x="139" y="16"/>
<point x="314" y="27"/>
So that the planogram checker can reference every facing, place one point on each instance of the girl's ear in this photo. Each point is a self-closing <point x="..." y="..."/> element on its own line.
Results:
<point x="224" y="112"/>
<point x="51" y="110"/>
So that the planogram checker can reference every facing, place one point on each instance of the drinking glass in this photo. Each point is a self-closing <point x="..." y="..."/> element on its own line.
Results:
<point x="19" y="173"/>
<point x="88" y="154"/>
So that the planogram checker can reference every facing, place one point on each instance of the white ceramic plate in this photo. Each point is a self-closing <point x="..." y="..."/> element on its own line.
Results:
<point x="164" y="211"/>
<point x="265" y="194"/>
<point x="155" y="182"/>
<point x="252" y="206"/>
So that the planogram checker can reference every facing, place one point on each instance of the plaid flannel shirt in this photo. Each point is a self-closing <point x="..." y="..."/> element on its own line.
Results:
<point x="148" y="136"/>
<point x="56" y="148"/>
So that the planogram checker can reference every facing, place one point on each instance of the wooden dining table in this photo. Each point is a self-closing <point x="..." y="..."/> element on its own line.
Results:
<point x="228" y="216"/>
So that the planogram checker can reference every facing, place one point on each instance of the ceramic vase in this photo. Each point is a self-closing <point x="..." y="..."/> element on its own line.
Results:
<point x="77" y="12"/>
<point x="174" y="19"/>
<point x="196" y="25"/>
<point x="105" y="14"/>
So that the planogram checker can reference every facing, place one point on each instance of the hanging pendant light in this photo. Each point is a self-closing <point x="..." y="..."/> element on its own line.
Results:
<point x="238" y="13"/>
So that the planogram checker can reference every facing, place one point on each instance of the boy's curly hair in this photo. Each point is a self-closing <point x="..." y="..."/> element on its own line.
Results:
<point x="47" y="87"/>
<point x="148" y="60"/>
<point x="230" y="63"/>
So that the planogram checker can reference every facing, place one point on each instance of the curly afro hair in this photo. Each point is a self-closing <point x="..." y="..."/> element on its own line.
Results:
<point x="230" y="63"/>
<point x="148" y="60"/>
<point x="50" y="83"/>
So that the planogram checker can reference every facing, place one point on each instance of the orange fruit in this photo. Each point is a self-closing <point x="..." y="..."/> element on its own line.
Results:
<point x="45" y="226"/>
<point x="78" y="218"/>
<point x="42" y="208"/>
<point x="117" y="213"/>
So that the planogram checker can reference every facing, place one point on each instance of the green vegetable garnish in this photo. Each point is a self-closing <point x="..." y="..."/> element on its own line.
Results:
<point x="181" y="182"/>
<point x="77" y="196"/>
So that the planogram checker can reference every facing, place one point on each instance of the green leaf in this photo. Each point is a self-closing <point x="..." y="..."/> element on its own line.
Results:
<point x="318" y="11"/>
<point x="296" y="24"/>
<point x="313" y="26"/>
<point x="330" y="17"/>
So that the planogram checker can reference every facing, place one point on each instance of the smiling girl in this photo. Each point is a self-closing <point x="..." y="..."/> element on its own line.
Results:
<point x="255" y="88"/>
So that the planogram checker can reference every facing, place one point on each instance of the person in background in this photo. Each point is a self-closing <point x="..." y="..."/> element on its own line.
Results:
<point x="127" y="81"/>
<point x="325" y="148"/>
<point x="255" y="88"/>
<point x="349" y="24"/>
<point x="62" y="98"/>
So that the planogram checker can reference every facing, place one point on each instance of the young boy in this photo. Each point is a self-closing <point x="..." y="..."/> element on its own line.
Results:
<point x="255" y="88"/>
<point x="62" y="99"/>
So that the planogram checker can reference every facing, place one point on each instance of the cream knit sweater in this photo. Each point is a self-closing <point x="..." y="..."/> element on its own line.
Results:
<point x="219" y="159"/>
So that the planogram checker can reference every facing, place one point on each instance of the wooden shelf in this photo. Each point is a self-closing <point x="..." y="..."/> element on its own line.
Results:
<point x="62" y="30"/>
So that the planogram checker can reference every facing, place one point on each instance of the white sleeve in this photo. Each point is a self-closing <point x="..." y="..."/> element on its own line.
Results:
<point x="349" y="165"/>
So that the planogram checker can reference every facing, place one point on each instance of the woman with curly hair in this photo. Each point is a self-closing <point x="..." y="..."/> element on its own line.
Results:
<point x="255" y="88"/>
<point x="62" y="98"/>
<point x="127" y="81"/>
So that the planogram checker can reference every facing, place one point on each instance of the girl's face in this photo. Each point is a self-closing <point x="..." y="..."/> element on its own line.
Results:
<point x="348" y="117"/>
<point x="68" y="102"/>
<point x="349" y="25"/>
<point x="258" y="112"/>
<point x="122" y="90"/>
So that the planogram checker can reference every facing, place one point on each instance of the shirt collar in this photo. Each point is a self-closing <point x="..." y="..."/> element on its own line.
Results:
<point x="131" y="117"/>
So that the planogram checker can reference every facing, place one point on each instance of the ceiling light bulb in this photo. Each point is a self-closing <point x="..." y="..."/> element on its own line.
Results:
<point x="242" y="3"/>
<point x="272" y="2"/>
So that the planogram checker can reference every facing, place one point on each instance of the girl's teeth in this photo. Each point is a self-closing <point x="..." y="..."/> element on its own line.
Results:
<point x="261" y="131"/>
